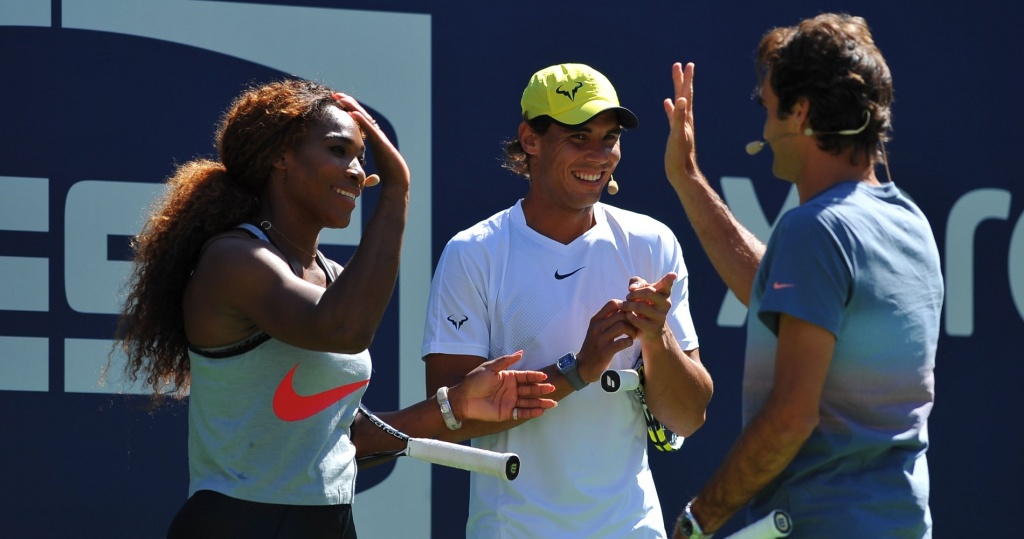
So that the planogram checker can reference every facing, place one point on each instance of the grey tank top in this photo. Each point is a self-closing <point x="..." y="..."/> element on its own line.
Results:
<point x="270" y="422"/>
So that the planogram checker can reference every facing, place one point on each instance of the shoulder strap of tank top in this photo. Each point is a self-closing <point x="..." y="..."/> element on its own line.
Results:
<point x="321" y="260"/>
<point x="254" y="231"/>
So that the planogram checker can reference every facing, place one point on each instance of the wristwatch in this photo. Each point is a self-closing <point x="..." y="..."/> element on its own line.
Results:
<point x="568" y="366"/>
<point x="689" y="526"/>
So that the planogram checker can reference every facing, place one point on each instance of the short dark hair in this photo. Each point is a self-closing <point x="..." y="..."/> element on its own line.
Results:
<point x="833" y="62"/>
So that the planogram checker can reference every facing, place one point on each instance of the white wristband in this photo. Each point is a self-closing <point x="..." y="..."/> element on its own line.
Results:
<point x="446" y="409"/>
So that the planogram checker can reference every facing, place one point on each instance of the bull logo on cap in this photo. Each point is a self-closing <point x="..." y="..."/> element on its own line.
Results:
<point x="571" y="94"/>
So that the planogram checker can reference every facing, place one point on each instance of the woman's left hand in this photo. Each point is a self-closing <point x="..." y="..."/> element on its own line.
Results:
<point x="394" y="172"/>
<point x="491" y="393"/>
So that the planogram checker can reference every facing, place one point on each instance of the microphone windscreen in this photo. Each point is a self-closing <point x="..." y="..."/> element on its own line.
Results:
<point x="754" y="147"/>
<point x="371" y="180"/>
<point x="613" y="186"/>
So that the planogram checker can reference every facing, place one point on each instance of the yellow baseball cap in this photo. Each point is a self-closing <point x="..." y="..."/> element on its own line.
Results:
<point x="572" y="94"/>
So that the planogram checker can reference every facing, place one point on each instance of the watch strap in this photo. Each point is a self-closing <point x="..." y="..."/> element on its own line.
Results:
<point x="689" y="527"/>
<point x="572" y="372"/>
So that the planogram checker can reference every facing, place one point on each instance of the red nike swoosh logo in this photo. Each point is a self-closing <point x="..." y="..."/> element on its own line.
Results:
<point x="290" y="406"/>
<point x="780" y="286"/>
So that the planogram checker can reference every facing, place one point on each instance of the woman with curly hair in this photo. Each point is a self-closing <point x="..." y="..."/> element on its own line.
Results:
<point x="231" y="304"/>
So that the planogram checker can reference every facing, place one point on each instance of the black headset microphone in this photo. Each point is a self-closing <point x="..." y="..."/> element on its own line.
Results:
<point x="756" y="146"/>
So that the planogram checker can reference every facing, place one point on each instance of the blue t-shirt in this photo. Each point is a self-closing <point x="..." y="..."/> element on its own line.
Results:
<point x="861" y="262"/>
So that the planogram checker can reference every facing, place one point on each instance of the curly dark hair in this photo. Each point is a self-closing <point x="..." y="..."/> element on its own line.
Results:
<point x="204" y="198"/>
<point x="833" y="62"/>
<point x="516" y="159"/>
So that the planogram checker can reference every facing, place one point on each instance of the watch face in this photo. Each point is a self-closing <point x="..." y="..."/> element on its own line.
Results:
<point x="565" y="362"/>
<point x="686" y="526"/>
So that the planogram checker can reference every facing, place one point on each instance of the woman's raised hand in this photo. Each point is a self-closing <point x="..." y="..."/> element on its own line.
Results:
<point x="390" y="163"/>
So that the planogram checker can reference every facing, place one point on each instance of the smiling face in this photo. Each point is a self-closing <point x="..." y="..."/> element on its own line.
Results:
<point x="569" y="166"/>
<point x="324" y="173"/>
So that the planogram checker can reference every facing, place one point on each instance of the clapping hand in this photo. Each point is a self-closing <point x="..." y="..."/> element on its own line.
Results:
<point x="647" y="305"/>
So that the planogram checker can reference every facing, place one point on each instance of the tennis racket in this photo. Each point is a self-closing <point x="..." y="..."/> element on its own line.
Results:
<point x="776" y="524"/>
<point x="615" y="381"/>
<point x="501" y="465"/>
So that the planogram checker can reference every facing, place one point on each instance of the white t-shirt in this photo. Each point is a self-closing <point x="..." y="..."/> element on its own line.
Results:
<point x="501" y="287"/>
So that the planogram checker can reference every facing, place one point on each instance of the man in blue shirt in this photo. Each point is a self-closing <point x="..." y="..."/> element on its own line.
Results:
<point x="843" y="301"/>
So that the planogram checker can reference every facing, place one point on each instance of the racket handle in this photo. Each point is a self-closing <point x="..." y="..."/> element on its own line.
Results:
<point x="464" y="457"/>
<point x="614" y="381"/>
<point x="776" y="524"/>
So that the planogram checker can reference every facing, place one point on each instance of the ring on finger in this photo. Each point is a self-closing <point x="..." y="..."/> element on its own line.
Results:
<point x="515" y="414"/>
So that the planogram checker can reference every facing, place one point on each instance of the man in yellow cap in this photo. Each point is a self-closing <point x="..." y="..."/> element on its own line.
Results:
<point x="580" y="287"/>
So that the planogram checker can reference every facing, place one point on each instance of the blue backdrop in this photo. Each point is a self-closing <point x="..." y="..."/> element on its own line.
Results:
<point x="102" y="98"/>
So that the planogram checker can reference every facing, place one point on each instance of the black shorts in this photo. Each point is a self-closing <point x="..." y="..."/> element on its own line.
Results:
<point x="214" y="515"/>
